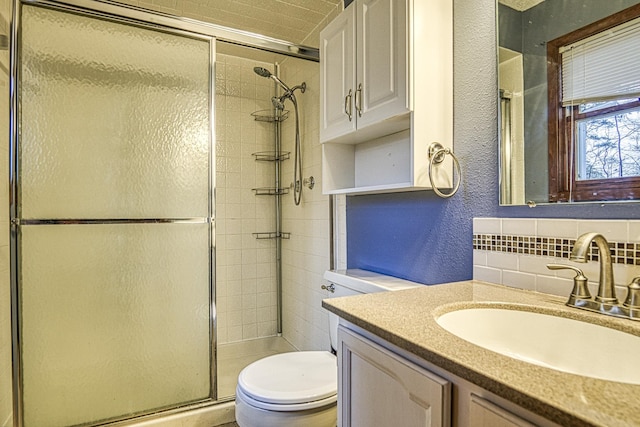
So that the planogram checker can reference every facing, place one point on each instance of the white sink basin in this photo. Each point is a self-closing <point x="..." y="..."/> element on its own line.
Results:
<point x="554" y="342"/>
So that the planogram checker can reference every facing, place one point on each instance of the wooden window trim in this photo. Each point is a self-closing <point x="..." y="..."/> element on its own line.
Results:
<point x="563" y="187"/>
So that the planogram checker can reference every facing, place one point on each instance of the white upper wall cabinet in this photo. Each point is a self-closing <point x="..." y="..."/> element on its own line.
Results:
<point x="364" y="72"/>
<point x="338" y="76"/>
<point x="386" y="84"/>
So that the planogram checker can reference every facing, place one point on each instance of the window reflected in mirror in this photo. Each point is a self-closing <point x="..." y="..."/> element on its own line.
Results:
<point x="594" y="111"/>
<point x="607" y="138"/>
<point x="569" y="80"/>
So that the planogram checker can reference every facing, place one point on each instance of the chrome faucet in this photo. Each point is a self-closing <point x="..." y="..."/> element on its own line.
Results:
<point x="605" y="302"/>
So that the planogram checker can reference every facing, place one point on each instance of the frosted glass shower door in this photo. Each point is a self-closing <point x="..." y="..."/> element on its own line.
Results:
<point x="115" y="218"/>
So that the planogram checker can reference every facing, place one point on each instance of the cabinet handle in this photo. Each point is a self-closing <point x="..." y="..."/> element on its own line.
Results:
<point x="347" y="104"/>
<point x="359" y="100"/>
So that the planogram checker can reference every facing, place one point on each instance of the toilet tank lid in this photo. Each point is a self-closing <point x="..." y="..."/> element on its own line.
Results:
<point x="364" y="281"/>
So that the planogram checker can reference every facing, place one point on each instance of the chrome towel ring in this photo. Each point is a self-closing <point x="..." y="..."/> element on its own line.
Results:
<point x="437" y="154"/>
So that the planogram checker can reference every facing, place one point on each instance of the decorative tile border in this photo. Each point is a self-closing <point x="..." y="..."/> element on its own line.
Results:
<point x="621" y="252"/>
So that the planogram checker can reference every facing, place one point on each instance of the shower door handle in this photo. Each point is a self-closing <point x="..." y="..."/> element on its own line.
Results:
<point x="347" y="104"/>
<point x="358" y="97"/>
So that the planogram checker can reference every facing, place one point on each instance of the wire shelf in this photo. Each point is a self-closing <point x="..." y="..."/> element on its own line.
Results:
<point x="271" y="235"/>
<point x="271" y="156"/>
<point x="270" y="191"/>
<point x="269" y="116"/>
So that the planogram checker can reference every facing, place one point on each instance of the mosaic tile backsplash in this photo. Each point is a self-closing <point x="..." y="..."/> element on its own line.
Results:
<point x="621" y="252"/>
<point x="515" y="252"/>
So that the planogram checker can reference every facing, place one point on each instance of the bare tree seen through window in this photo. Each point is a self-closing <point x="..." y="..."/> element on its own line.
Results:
<point x="611" y="145"/>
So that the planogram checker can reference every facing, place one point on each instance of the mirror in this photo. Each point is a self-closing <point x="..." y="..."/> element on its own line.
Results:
<point x="525" y="29"/>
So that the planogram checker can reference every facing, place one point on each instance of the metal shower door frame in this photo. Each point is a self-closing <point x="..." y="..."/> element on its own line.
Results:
<point x="130" y="17"/>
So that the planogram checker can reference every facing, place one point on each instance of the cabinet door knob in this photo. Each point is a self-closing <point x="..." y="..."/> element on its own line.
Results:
<point x="359" y="100"/>
<point x="347" y="104"/>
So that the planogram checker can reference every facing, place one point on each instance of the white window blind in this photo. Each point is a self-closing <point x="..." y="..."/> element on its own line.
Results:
<point x="602" y="67"/>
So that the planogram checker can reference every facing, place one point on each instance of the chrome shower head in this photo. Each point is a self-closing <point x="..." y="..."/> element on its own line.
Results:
<point x="263" y="72"/>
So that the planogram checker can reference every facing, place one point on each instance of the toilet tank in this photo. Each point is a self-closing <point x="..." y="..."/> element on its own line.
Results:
<point x="356" y="282"/>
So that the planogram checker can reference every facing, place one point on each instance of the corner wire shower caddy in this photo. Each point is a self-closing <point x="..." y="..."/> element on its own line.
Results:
<point x="271" y="156"/>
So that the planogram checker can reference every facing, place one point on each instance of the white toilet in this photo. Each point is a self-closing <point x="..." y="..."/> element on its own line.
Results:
<point x="301" y="388"/>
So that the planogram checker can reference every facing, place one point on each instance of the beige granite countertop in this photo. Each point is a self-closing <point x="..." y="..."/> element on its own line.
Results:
<point x="407" y="319"/>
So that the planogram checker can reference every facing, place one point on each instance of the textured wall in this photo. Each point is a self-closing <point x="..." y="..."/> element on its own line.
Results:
<point x="420" y="236"/>
<point x="423" y="238"/>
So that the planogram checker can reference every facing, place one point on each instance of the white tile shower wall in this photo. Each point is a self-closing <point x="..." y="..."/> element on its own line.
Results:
<point x="245" y="266"/>
<point x="529" y="271"/>
<point x="306" y="255"/>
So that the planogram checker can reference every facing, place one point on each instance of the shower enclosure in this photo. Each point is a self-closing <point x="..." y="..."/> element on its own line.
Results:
<point x="144" y="255"/>
<point x="113" y="218"/>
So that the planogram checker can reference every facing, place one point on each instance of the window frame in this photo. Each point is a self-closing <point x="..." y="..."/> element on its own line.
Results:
<point x="563" y="185"/>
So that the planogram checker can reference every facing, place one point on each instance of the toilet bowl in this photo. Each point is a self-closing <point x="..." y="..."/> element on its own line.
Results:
<point x="288" y="389"/>
<point x="300" y="389"/>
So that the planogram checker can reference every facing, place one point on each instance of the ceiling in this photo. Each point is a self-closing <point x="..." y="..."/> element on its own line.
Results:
<point x="290" y="20"/>
<point x="520" y="5"/>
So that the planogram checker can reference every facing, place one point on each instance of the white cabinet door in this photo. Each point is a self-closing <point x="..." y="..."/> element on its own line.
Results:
<point x="338" y="76"/>
<point x="483" y="413"/>
<point x="379" y="388"/>
<point x="363" y="71"/>
<point x="381" y="47"/>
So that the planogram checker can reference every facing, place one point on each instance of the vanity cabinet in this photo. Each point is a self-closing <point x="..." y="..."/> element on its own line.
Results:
<point x="379" y="388"/>
<point x="386" y="93"/>
<point x="380" y="384"/>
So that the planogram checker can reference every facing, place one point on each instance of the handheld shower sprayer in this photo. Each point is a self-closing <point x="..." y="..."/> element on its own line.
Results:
<point x="263" y="72"/>
<point x="278" y="103"/>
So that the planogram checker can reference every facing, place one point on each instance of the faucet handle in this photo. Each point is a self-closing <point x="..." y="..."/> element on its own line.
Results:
<point x="633" y="294"/>
<point x="580" y="288"/>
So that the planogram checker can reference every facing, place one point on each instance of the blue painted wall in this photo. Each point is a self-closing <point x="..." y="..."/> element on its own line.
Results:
<point x="420" y="237"/>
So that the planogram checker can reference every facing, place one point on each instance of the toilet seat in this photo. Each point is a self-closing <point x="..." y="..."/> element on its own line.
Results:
<point x="293" y="381"/>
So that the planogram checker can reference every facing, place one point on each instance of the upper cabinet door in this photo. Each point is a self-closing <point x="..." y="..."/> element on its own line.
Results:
<point x="338" y="76"/>
<point x="364" y="72"/>
<point x="382" y="36"/>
